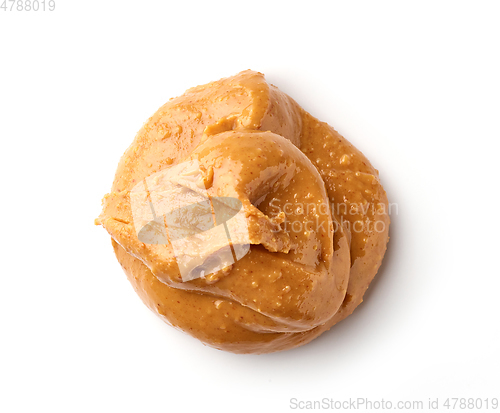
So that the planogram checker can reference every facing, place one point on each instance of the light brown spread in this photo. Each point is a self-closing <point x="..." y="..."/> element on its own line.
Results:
<point x="315" y="215"/>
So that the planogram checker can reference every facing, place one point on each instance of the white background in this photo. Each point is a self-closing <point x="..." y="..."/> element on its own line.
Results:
<point x="414" y="85"/>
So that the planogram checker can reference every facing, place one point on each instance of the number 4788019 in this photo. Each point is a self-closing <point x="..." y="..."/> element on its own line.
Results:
<point x="28" y="5"/>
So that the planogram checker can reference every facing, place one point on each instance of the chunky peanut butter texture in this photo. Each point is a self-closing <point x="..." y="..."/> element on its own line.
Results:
<point x="314" y="208"/>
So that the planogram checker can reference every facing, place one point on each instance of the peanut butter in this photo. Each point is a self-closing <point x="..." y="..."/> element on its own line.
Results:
<point x="309" y="217"/>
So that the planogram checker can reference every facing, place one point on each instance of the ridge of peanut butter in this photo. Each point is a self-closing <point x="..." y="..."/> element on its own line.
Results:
<point x="256" y="144"/>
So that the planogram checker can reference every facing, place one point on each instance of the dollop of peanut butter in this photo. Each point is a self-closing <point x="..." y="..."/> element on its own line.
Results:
<point x="244" y="221"/>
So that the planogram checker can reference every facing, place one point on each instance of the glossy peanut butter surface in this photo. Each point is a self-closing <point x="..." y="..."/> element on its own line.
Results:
<point x="314" y="207"/>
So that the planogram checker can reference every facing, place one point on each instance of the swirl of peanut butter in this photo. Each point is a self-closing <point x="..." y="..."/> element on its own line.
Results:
<point x="298" y="201"/>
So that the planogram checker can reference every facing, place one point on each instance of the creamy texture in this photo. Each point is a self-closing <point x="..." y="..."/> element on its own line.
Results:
<point x="310" y="200"/>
